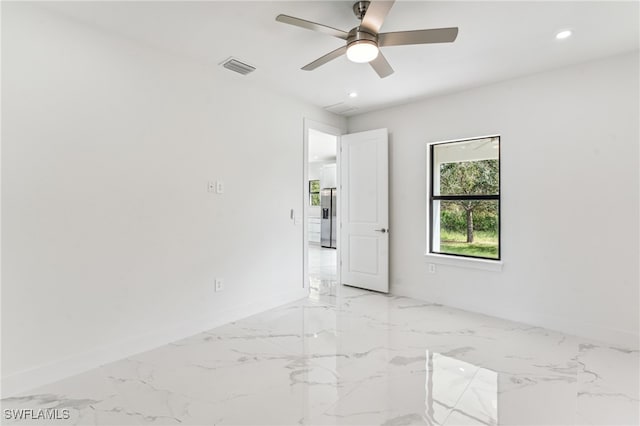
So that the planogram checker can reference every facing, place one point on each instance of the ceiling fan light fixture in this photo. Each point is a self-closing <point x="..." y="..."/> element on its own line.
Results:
<point x="362" y="51"/>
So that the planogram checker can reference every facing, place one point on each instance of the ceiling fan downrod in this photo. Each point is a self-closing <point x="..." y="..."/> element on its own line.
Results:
<point x="360" y="8"/>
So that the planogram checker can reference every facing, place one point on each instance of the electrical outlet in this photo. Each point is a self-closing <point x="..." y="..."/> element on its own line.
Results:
<point x="432" y="268"/>
<point x="219" y="284"/>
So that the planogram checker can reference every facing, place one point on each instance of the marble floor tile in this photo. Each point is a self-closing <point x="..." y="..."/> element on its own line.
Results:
<point x="322" y="262"/>
<point x="87" y="398"/>
<point x="608" y="390"/>
<point x="348" y="356"/>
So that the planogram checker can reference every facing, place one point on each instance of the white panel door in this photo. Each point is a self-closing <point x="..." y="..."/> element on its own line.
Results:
<point x="365" y="210"/>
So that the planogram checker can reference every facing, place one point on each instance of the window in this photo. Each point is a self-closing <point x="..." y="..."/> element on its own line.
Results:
<point x="314" y="192"/>
<point x="464" y="198"/>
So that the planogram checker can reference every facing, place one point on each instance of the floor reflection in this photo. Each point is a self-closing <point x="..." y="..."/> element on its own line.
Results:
<point x="322" y="289"/>
<point x="323" y="273"/>
<point x="458" y="392"/>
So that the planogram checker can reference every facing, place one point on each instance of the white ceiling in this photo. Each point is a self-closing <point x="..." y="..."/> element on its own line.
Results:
<point x="497" y="41"/>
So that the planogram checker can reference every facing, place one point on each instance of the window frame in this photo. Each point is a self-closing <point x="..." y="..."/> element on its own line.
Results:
<point x="311" y="193"/>
<point x="454" y="258"/>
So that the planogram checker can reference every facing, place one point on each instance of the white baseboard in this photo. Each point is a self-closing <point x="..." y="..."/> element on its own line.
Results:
<point x="622" y="338"/>
<point x="26" y="380"/>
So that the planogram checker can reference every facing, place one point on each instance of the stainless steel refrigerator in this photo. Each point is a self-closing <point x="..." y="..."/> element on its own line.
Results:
<point x="328" y="224"/>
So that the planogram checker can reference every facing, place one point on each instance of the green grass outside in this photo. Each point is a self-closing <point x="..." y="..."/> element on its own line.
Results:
<point x="485" y="244"/>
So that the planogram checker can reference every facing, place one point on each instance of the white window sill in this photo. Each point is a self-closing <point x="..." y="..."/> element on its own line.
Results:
<point x="462" y="262"/>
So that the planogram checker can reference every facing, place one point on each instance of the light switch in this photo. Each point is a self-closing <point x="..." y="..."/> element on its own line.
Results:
<point x="219" y="187"/>
<point x="211" y="186"/>
<point x="219" y="284"/>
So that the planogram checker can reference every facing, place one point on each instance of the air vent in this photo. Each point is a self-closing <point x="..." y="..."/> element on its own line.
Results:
<point x="237" y="66"/>
<point x="340" y="108"/>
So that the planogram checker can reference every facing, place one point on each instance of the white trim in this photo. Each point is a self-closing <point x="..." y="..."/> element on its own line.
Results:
<point x="339" y="199"/>
<point x="464" y="262"/>
<point x="427" y="205"/>
<point x="464" y="139"/>
<point x="26" y="380"/>
<point x="308" y="124"/>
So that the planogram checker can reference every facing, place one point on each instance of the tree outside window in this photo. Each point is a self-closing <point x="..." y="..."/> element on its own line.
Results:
<point x="314" y="192"/>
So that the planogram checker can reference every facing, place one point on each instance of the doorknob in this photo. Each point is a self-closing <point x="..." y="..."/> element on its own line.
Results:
<point x="382" y="230"/>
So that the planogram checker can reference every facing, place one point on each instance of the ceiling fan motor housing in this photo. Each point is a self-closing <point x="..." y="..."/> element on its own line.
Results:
<point x="359" y="34"/>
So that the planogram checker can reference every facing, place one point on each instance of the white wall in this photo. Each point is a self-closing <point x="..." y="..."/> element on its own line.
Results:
<point x="569" y="198"/>
<point x="110" y="240"/>
<point x="315" y="170"/>
<point x="329" y="178"/>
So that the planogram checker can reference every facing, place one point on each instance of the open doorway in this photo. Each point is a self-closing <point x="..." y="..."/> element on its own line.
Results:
<point x="322" y="218"/>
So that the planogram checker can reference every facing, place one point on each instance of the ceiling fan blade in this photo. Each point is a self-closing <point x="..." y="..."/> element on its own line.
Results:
<point x="436" y="35"/>
<point x="376" y="12"/>
<point x="326" y="58"/>
<point x="312" y="26"/>
<point x="381" y="66"/>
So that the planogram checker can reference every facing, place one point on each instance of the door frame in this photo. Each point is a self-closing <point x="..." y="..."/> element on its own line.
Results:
<point x="337" y="132"/>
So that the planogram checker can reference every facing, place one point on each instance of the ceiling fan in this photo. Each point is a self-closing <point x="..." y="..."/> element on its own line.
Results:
<point x="364" y="41"/>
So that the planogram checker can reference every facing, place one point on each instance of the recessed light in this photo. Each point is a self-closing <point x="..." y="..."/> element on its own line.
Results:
<point x="353" y="94"/>
<point x="564" y="34"/>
